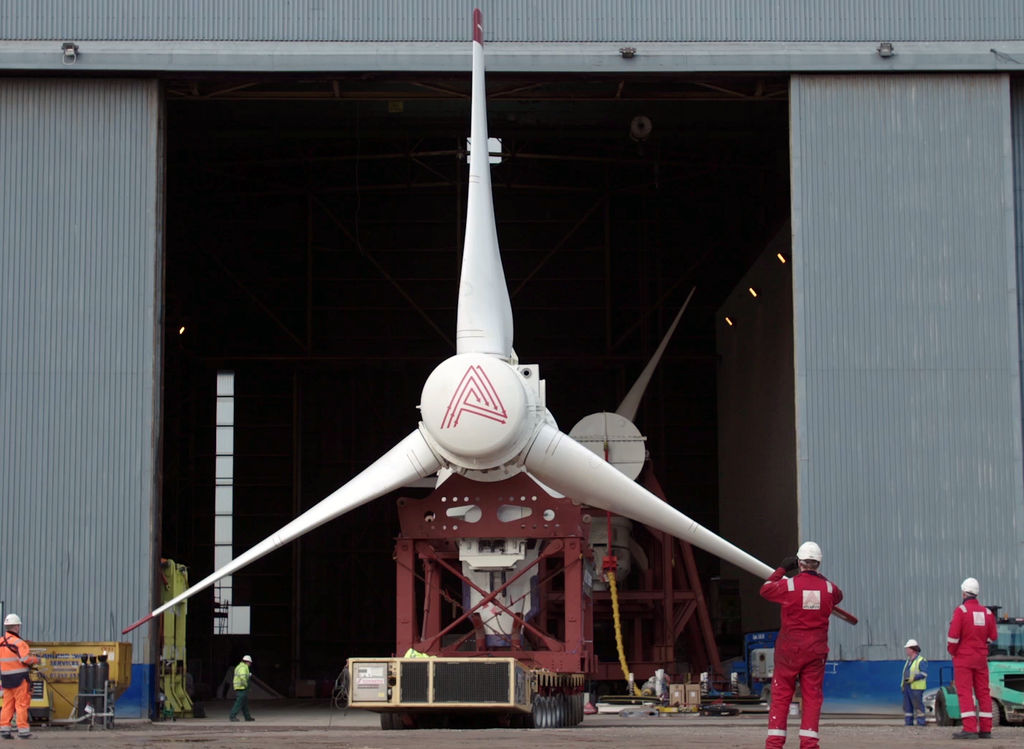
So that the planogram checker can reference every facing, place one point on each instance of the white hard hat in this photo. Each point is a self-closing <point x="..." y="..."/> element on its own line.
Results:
<point x="11" y="620"/>
<point x="970" y="585"/>
<point x="809" y="551"/>
<point x="247" y="658"/>
<point x="911" y="643"/>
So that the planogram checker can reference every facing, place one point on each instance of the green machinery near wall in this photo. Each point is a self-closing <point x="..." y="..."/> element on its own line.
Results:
<point x="174" y="699"/>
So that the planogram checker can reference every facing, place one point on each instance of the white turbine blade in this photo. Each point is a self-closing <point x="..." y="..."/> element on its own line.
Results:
<point x="631" y="402"/>
<point x="409" y="459"/>
<point x="561" y="462"/>
<point x="485" y="313"/>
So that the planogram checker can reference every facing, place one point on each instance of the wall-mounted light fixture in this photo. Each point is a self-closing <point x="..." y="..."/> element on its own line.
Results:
<point x="781" y="257"/>
<point x="885" y="49"/>
<point x="70" y="52"/>
<point x="753" y="291"/>
<point x="181" y="330"/>
<point x="628" y="53"/>
<point x="728" y="321"/>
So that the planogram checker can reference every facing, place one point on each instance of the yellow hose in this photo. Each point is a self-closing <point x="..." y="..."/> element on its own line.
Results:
<point x="618" y="631"/>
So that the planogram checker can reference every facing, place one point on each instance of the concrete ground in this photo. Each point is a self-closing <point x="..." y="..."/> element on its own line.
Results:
<point x="305" y="723"/>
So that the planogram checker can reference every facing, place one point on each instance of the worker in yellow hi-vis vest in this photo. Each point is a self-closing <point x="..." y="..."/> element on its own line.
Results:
<point x="915" y="679"/>
<point x="243" y="678"/>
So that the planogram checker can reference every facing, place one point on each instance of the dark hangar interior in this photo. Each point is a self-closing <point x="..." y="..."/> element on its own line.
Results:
<point x="313" y="240"/>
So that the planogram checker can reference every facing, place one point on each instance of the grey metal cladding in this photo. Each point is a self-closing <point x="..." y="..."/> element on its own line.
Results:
<point x="79" y="296"/>
<point x="908" y="380"/>
<point x="1017" y="124"/>
<point x="526" y="21"/>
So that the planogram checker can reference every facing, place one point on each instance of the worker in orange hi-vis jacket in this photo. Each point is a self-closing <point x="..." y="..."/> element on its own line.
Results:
<point x="15" y="660"/>
<point x="802" y="645"/>
<point x="972" y="628"/>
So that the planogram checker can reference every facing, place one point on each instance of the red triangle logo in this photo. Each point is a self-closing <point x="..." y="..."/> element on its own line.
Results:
<point x="475" y="394"/>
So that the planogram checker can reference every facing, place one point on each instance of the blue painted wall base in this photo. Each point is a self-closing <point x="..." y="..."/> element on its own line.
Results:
<point x="138" y="701"/>
<point x="871" y="686"/>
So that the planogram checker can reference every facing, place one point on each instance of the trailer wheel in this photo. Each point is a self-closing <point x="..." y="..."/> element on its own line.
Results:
<point x="941" y="713"/>
<point x="541" y="712"/>
<point x="562" y="711"/>
<point x="1002" y="713"/>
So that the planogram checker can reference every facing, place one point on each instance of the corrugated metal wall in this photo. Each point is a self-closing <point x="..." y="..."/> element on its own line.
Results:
<point x="527" y="21"/>
<point x="1017" y="124"/>
<point x="80" y="215"/>
<point x="908" y="393"/>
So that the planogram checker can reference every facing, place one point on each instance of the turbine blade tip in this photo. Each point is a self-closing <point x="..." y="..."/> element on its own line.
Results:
<point x="478" y="26"/>
<point x="139" y="623"/>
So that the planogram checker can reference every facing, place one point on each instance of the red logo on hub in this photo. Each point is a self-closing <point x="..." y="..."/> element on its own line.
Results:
<point x="475" y="395"/>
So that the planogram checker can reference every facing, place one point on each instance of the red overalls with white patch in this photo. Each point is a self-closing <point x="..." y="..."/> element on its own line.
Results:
<point x="800" y="650"/>
<point x="972" y="628"/>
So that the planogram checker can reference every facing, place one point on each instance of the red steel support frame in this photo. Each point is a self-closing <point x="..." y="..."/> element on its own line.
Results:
<point x="666" y="605"/>
<point x="426" y="559"/>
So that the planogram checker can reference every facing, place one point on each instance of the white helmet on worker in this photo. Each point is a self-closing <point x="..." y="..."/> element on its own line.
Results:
<point x="247" y="658"/>
<point x="912" y="643"/>
<point x="970" y="586"/>
<point x="12" y="620"/>
<point x="809" y="552"/>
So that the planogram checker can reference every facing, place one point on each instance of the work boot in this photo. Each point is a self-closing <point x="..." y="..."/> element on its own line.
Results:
<point x="250" y="718"/>
<point x="233" y="719"/>
<point x="962" y="734"/>
<point x="6" y="735"/>
<point x="984" y="734"/>
<point x="26" y="735"/>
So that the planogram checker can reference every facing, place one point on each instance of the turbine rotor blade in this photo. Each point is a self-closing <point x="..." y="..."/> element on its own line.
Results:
<point x="567" y="466"/>
<point x="561" y="462"/>
<point x="408" y="460"/>
<point x="631" y="402"/>
<point x="485" y="312"/>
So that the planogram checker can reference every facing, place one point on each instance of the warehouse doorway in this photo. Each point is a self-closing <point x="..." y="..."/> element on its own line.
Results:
<point x="314" y="233"/>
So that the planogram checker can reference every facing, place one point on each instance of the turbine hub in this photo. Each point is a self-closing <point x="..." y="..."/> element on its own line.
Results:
<point x="479" y="411"/>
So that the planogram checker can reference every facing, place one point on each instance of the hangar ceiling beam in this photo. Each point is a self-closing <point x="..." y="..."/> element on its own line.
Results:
<point x="561" y="57"/>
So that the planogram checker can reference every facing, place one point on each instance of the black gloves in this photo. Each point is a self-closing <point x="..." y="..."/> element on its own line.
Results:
<point x="789" y="564"/>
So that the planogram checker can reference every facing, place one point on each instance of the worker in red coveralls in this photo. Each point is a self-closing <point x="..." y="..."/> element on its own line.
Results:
<point x="15" y="660"/>
<point x="972" y="628"/>
<point x="802" y="645"/>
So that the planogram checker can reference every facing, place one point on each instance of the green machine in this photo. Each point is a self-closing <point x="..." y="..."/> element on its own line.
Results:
<point x="174" y="699"/>
<point x="1005" y="678"/>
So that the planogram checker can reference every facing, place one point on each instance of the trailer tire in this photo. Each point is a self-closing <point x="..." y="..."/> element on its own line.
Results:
<point x="548" y="711"/>
<point x="538" y="711"/>
<point x="561" y="711"/>
<point x="1002" y="713"/>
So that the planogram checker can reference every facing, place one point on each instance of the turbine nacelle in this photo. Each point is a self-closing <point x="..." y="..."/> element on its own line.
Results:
<point x="480" y="412"/>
